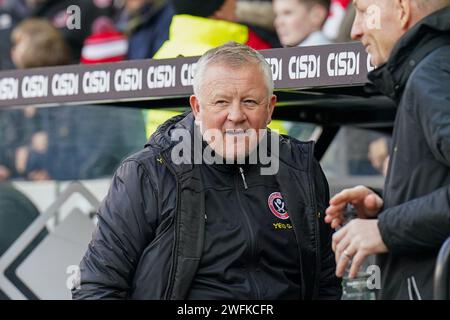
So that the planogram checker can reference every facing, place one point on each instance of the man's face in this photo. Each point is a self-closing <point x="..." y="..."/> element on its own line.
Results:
<point x="292" y="21"/>
<point x="133" y="6"/>
<point x="377" y="25"/>
<point x="227" y="11"/>
<point x="233" y="104"/>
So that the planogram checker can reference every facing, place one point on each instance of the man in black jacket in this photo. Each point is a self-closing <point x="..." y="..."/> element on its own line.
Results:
<point x="178" y="226"/>
<point x="409" y="41"/>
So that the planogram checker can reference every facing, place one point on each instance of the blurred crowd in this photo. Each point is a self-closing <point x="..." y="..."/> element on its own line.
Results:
<point x="68" y="143"/>
<point x="111" y="30"/>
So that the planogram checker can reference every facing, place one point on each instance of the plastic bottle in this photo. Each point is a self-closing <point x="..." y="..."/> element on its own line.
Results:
<point x="356" y="288"/>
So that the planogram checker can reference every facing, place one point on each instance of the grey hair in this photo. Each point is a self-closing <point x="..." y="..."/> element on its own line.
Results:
<point x="234" y="55"/>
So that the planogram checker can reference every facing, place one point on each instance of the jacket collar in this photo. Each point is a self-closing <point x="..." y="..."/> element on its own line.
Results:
<point x="291" y="153"/>
<point x="162" y="136"/>
<point x="427" y="35"/>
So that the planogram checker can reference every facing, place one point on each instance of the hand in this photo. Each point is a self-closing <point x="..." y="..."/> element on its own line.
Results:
<point x="39" y="175"/>
<point x="378" y="152"/>
<point x="355" y="241"/>
<point x="21" y="159"/>
<point x="29" y="112"/>
<point x="366" y="202"/>
<point x="4" y="173"/>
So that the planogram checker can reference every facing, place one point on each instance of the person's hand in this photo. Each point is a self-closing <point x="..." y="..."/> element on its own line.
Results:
<point x="378" y="152"/>
<point x="366" y="202"/>
<point x="29" y="112"/>
<point x="4" y="173"/>
<point x="21" y="159"/>
<point x="354" y="242"/>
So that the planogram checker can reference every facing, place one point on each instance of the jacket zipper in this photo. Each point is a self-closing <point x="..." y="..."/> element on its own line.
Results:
<point x="413" y="286"/>
<point x="160" y="235"/>
<point x="175" y="245"/>
<point x="316" y="221"/>
<point x="241" y="171"/>
<point x="408" y="280"/>
<point x="302" y="284"/>
<point x="252" y="279"/>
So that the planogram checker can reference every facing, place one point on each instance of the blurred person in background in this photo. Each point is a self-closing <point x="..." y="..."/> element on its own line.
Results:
<point x="259" y="16"/>
<point x="378" y="154"/>
<point x="11" y="13"/>
<point x="13" y="133"/>
<point x="105" y="44"/>
<point x="345" y="26"/>
<point x="35" y="43"/>
<point x="333" y="26"/>
<point x="32" y="41"/>
<point x="56" y="11"/>
<point x="300" y="22"/>
<point x="201" y="25"/>
<point x="146" y="24"/>
<point x="71" y="142"/>
<point x="7" y="149"/>
<point x="17" y="129"/>
<point x="61" y="16"/>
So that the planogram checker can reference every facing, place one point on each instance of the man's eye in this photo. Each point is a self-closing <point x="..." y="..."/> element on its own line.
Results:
<point x="250" y="102"/>
<point x="220" y="102"/>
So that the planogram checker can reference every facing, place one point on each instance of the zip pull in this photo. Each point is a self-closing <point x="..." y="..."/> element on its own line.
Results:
<point x="243" y="177"/>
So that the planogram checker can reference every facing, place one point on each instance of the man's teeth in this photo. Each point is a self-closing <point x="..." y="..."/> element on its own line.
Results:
<point x="235" y="132"/>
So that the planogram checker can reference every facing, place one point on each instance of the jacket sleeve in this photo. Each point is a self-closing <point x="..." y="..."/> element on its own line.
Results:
<point x="329" y="285"/>
<point x="424" y="223"/>
<point x="126" y="224"/>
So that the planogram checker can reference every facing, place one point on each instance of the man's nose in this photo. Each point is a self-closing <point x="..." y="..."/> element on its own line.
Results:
<point x="235" y="113"/>
<point x="357" y="30"/>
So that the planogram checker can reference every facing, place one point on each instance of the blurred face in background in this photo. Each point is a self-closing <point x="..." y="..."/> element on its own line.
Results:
<point x="226" y="12"/>
<point x="37" y="43"/>
<point x="133" y="6"/>
<point x="19" y="47"/>
<point x="295" y="20"/>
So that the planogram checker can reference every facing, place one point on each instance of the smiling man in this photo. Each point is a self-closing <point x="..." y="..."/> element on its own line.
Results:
<point x="187" y="230"/>
<point x="409" y="41"/>
<point x="235" y="111"/>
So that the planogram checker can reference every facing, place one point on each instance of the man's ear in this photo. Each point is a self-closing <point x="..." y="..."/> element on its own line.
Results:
<point x="272" y="103"/>
<point x="404" y="13"/>
<point x="195" y="106"/>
